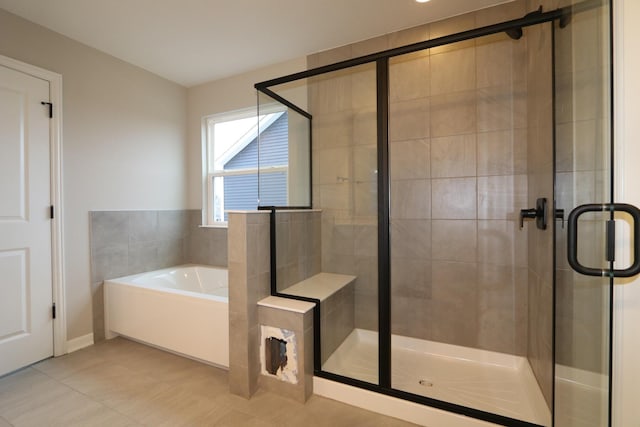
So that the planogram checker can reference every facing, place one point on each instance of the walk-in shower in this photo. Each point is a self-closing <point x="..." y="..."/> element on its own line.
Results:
<point x="429" y="151"/>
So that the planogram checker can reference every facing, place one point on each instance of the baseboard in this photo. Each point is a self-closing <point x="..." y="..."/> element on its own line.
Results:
<point x="79" y="343"/>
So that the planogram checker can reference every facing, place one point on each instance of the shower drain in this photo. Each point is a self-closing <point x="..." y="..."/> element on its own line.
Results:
<point x="425" y="383"/>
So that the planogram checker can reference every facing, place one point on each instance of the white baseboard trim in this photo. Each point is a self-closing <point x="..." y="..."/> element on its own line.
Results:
<point x="79" y="343"/>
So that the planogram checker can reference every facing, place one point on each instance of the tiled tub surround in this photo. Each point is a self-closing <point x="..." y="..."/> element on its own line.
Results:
<point x="130" y="242"/>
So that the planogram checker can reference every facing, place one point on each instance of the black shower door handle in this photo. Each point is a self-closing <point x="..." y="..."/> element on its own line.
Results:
<point x="572" y="235"/>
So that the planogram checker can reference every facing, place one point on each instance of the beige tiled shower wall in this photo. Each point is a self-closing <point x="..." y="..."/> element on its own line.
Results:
<point x="297" y="246"/>
<point x="130" y="242"/>
<point x="458" y="168"/>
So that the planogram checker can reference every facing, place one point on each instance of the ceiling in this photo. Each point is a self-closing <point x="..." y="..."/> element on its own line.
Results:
<point x="195" y="41"/>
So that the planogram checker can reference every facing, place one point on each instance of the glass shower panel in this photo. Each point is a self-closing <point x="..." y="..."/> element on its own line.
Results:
<point x="459" y="175"/>
<point x="343" y="105"/>
<point x="583" y="175"/>
<point x="284" y="147"/>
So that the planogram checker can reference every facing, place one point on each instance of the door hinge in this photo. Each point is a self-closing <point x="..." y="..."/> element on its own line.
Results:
<point x="50" y="108"/>
<point x="51" y="211"/>
<point x="53" y="310"/>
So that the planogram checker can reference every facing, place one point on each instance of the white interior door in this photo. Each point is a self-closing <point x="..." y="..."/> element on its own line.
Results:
<point x="26" y="321"/>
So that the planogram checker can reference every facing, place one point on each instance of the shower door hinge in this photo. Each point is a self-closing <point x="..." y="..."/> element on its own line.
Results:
<point x="53" y="310"/>
<point x="51" y="212"/>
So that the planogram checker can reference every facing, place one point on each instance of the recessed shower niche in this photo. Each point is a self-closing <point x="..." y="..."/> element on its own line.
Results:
<point x="426" y="147"/>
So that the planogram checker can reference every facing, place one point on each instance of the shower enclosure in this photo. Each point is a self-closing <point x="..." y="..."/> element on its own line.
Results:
<point x="444" y="162"/>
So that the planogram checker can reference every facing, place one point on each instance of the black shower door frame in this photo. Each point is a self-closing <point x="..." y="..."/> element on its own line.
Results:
<point x="381" y="59"/>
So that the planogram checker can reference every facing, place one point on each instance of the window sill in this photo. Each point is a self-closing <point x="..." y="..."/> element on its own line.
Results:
<point x="223" y="225"/>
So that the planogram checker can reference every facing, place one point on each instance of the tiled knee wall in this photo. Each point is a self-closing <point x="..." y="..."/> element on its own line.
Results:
<point x="130" y="242"/>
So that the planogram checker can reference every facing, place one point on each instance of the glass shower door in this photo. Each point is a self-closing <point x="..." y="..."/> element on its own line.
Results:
<point x="582" y="176"/>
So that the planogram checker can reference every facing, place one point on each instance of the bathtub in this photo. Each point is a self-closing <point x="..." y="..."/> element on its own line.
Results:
<point x="182" y="309"/>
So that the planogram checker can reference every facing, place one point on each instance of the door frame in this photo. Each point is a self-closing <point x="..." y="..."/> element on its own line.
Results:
<point x="55" y="146"/>
<point x="626" y="348"/>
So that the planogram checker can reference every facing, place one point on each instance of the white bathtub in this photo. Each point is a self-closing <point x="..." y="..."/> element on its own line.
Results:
<point x="182" y="309"/>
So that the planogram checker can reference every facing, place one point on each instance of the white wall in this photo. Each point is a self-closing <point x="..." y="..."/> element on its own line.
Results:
<point x="124" y="133"/>
<point x="233" y="93"/>
<point x="626" y="370"/>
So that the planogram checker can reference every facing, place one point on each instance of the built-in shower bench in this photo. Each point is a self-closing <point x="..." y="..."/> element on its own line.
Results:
<point x="322" y="286"/>
<point x="336" y="293"/>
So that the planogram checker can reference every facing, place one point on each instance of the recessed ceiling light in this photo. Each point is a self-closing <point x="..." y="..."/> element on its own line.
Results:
<point x="422" y="1"/>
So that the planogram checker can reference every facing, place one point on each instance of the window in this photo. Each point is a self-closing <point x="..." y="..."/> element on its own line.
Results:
<point x="231" y="166"/>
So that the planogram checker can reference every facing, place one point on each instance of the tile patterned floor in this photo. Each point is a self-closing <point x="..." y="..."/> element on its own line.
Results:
<point x="123" y="383"/>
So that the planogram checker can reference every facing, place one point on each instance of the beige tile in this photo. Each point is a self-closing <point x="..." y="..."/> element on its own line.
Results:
<point x="409" y="159"/>
<point x="502" y="152"/>
<point x="182" y="392"/>
<point x="366" y="240"/>
<point x="22" y="387"/>
<point x="411" y="278"/>
<point x="280" y="318"/>
<point x="366" y="269"/>
<point x="452" y="26"/>
<point x="498" y="288"/>
<point x="453" y="198"/>
<point x="70" y="409"/>
<point x="411" y="238"/>
<point x="453" y="114"/>
<point x="335" y="165"/>
<point x="366" y="318"/>
<point x="331" y="93"/>
<point x="64" y="366"/>
<point x="411" y="199"/>
<point x="365" y="163"/>
<point x="365" y="127"/>
<point x="233" y="418"/>
<point x="502" y="242"/>
<point x="409" y="77"/>
<point x="239" y="381"/>
<point x="113" y="384"/>
<point x="500" y="63"/>
<point x="409" y="36"/>
<point x="409" y="119"/>
<point x="410" y="317"/>
<point x="333" y="129"/>
<point x="454" y="240"/>
<point x="334" y="196"/>
<point x="366" y="199"/>
<point x="578" y="146"/>
<point x="502" y="108"/>
<point x="363" y="83"/>
<point x="237" y="238"/>
<point x="453" y="313"/>
<point x="369" y="46"/>
<point x="453" y="71"/>
<point x="453" y="156"/>
<point x="502" y="197"/>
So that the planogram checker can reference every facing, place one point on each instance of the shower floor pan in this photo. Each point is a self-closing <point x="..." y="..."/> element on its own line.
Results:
<point x="494" y="382"/>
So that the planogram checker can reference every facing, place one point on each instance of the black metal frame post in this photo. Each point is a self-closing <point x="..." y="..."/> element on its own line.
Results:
<point x="384" y="252"/>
